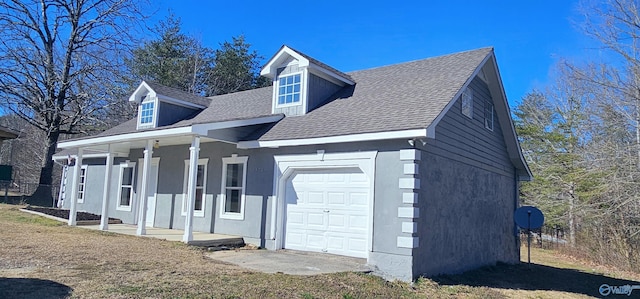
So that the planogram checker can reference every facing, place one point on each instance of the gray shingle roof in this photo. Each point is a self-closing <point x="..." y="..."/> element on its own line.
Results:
<point x="323" y="65"/>
<point x="397" y="97"/>
<point x="179" y="94"/>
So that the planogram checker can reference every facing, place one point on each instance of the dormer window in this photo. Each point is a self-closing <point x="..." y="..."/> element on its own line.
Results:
<point x="289" y="90"/>
<point x="146" y="116"/>
<point x="146" y="113"/>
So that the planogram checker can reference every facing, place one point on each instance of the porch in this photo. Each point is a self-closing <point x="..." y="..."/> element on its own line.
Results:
<point x="199" y="238"/>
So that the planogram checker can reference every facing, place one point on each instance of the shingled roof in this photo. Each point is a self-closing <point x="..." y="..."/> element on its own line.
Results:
<point x="391" y="98"/>
<point x="396" y="97"/>
<point x="179" y="94"/>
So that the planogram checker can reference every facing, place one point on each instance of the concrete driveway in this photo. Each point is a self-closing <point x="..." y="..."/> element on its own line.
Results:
<point x="290" y="261"/>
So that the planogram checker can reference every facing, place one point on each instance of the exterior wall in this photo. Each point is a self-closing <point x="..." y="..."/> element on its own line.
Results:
<point x="95" y="186"/>
<point x="290" y="110"/>
<point x="467" y="195"/>
<point x="169" y="114"/>
<point x="319" y="91"/>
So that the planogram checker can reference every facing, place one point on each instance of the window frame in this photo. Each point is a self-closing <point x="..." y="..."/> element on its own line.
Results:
<point x="488" y="115"/>
<point x="234" y="159"/>
<point x="277" y="90"/>
<point x="154" y="112"/>
<point x="119" y="206"/>
<point x="185" y="186"/>
<point x="83" y="183"/>
<point x="466" y="101"/>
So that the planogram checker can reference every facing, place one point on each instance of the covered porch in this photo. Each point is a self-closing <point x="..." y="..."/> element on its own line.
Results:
<point x="199" y="238"/>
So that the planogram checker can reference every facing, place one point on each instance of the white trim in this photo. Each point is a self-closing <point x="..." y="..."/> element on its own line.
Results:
<point x="410" y="155"/>
<point x="270" y="69"/>
<point x="170" y="100"/>
<point x="135" y="136"/>
<point x="335" y="139"/>
<point x="234" y="159"/>
<point x="155" y="162"/>
<point x="196" y="129"/>
<point x="144" y="85"/>
<point x="196" y="213"/>
<point x="407" y="242"/>
<point x="408" y="212"/>
<point x="154" y="113"/>
<point x="277" y="88"/>
<point x="132" y="165"/>
<point x="89" y="156"/>
<point x="84" y="184"/>
<point x="410" y="197"/>
<point x="486" y="120"/>
<point x="304" y="91"/>
<point x="286" y="166"/>
<point x="410" y="227"/>
<point x="467" y="96"/>
<point x="334" y="77"/>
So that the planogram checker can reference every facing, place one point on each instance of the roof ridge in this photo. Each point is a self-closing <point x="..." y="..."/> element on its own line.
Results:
<point x="421" y="59"/>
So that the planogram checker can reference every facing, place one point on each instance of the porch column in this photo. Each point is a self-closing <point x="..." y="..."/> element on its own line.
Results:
<point x="74" y="188"/>
<point x="146" y="168"/>
<point x="191" y="188"/>
<point x="104" y="218"/>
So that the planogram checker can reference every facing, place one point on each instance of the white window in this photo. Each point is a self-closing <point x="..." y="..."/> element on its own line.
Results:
<point x="289" y="90"/>
<point x="82" y="183"/>
<point x="488" y="115"/>
<point x="146" y="115"/>
<point x="234" y="176"/>
<point x="125" y="190"/>
<point x="467" y="102"/>
<point x="201" y="184"/>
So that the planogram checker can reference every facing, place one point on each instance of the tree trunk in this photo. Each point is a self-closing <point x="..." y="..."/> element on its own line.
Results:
<point x="572" y="222"/>
<point x="43" y="195"/>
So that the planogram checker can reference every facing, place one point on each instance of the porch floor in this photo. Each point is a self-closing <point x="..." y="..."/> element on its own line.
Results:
<point x="199" y="238"/>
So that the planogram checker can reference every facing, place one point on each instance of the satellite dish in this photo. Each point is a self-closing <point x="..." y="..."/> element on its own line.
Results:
<point x="528" y="217"/>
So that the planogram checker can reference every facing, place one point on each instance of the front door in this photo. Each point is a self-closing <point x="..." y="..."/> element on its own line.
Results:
<point x="152" y="185"/>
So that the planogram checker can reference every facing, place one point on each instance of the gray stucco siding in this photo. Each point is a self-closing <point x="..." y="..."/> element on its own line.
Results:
<point x="466" y="217"/>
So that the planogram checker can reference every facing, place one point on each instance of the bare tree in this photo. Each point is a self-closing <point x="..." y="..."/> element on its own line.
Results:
<point x="60" y="61"/>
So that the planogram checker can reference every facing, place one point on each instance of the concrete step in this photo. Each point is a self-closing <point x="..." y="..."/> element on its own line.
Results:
<point x="227" y="242"/>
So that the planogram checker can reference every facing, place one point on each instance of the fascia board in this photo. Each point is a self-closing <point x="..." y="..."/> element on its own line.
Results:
<point x="144" y="135"/>
<point x="415" y="133"/>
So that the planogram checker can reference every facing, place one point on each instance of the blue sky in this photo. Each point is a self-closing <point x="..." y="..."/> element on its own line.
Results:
<point x="529" y="37"/>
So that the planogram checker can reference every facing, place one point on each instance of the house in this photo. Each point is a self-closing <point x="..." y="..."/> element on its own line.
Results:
<point x="413" y="166"/>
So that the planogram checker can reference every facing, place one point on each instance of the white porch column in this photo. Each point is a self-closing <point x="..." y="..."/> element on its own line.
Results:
<point x="104" y="218"/>
<point x="194" y="151"/>
<point x="146" y="168"/>
<point x="74" y="188"/>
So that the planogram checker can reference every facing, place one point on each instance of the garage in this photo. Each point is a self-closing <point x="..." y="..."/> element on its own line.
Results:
<point x="327" y="210"/>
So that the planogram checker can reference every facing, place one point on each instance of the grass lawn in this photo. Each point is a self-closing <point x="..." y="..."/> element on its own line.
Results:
<point x="42" y="258"/>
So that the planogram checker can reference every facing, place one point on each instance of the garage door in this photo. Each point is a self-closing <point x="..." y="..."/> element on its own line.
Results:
<point x="327" y="211"/>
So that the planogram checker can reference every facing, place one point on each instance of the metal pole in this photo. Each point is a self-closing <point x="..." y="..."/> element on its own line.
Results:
<point x="529" y="238"/>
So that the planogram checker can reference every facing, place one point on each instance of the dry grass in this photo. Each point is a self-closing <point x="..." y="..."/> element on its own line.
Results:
<point x="44" y="258"/>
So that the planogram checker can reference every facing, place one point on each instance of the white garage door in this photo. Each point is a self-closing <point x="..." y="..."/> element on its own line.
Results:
<point x="327" y="211"/>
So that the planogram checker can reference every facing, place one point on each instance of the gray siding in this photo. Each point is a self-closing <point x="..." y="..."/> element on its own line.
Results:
<point x="260" y="170"/>
<point x="290" y="110"/>
<point x="467" y="140"/>
<point x="319" y="91"/>
<point x="169" y="114"/>
<point x="467" y="195"/>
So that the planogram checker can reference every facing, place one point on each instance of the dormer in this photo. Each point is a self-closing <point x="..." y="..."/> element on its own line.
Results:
<point x="301" y="83"/>
<point x="160" y="105"/>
